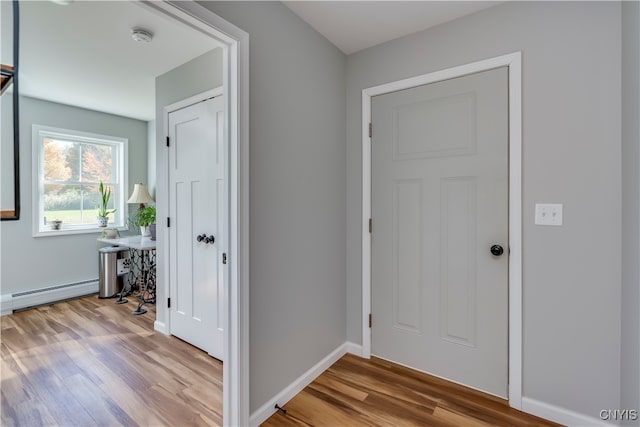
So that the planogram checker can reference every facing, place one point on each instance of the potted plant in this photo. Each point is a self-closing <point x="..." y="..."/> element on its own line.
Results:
<point x="103" y="212"/>
<point x="143" y="218"/>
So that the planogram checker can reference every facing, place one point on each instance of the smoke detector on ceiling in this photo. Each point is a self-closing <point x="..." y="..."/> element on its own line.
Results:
<point x="141" y="35"/>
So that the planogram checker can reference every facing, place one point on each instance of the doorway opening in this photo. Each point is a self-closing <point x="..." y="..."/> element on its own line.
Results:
<point x="235" y="60"/>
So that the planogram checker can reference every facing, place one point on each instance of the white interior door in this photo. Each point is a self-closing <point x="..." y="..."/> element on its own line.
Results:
<point x="197" y="206"/>
<point x="439" y="204"/>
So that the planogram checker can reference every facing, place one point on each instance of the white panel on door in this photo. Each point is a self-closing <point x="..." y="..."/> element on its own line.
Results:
<point x="219" y="272"/>
<point x="424" y="129"/>
<point x="182" y="244"/>
<point x="198" y="297"/>
<point x="458" y="261"/>
<point x="186" y="154"/>
<point x="407" y="255"/>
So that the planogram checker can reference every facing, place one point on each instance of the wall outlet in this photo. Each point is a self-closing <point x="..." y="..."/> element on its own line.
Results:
<point x="548" y="214"/>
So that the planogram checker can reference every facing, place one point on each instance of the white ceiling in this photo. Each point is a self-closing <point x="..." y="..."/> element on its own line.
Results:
<point x="82" y="54"/>
<point x="357" y="25"/>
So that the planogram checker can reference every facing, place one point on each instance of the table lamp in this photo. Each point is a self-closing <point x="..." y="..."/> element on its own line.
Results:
<point x="140" y="195"/>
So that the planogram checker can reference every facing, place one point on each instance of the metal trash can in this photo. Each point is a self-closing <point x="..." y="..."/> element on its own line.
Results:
<point x="113" y="265"/>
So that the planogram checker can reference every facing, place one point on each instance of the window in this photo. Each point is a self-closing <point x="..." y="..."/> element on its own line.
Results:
<point x="68" y="167"/>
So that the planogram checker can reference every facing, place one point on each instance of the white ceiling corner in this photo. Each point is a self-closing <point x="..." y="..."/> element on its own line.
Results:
<point x="357" y="25"/>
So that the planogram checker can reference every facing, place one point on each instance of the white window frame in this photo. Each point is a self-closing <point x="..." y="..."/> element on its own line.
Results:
<point x="39" y="133"/>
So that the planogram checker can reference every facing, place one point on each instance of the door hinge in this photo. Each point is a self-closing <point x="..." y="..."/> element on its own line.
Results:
<point x="370" y="225"/>
<point x="370" y="130"/>
<point x="167" y="141"/>
<point x="370" y="323"/>
<point x="224" y="258"/>
<point x="168" y="302"/>
<point x="168" y="222"/>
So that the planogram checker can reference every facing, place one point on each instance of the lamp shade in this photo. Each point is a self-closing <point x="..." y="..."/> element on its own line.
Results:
<point x="140" y="195"/>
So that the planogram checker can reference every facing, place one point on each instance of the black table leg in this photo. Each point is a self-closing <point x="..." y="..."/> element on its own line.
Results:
<point x="148" y="283"/>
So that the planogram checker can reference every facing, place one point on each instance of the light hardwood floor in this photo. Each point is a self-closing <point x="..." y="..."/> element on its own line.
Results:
<point x="90" y="362"/>
<point x="359" y="392"/>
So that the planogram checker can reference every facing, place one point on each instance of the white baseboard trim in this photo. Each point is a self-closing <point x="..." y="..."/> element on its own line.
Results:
<point x="353" y="348"/>
<point x="6" y="305"/>
<point x="560" y="415"/>
<point x="268" y="409"/>
<point x="160" y="327"/>
<point x="18" y="300"/>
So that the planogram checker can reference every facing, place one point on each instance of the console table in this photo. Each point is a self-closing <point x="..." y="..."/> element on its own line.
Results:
<point x="142" y="273"/>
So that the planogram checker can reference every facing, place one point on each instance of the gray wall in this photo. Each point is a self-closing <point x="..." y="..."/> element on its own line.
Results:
<point x="6" y="151"/>
<point x="31" y="263"/>
<point x="6" y="43"/>
<point x="191" y="78"/>
<point x="571" y="155"/>
<point x="199" y="75"/>
<point x="630" y="362"/>
<point x="151" y="157"/>
<point x="297" y="194"/>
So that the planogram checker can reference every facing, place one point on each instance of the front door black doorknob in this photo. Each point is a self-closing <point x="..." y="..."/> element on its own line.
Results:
<point x="497" y="250"/>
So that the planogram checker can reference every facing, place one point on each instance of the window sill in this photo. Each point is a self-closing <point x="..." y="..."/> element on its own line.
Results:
<point x="73" y="231"/>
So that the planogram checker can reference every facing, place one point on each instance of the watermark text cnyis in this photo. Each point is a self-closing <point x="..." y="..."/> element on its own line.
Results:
<point x="619" y="415"/>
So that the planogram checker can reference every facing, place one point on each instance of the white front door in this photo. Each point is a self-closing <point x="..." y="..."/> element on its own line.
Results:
<point x="197" y="231"/>
<point x="439" y="205"/>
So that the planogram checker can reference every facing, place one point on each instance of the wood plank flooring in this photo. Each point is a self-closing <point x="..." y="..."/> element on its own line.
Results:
<point x="360" y="392"/>
<point x="89" y="362"/>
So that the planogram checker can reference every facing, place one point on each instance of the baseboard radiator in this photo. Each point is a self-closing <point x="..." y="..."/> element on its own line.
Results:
<point x="33" y="298"/>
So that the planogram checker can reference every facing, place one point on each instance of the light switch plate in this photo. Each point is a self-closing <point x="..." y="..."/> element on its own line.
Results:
<point x="548" y="214"/>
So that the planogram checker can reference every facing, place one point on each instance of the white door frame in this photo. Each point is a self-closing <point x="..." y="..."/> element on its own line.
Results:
<point x="235" y="46"/>
<point x="514" y="63"/>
